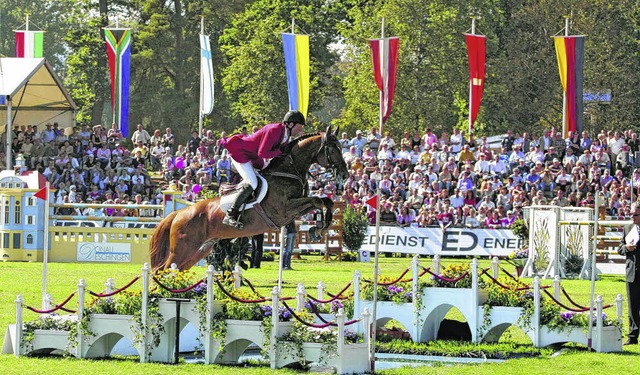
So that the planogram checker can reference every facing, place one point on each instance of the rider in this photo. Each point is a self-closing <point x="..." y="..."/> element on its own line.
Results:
<point x="255" y="151"/>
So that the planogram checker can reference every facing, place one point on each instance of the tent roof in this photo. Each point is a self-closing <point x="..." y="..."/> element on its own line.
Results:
<point x="32" y="84"/>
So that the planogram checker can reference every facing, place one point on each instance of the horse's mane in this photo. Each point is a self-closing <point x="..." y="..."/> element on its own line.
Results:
<point x="294" y="142"/>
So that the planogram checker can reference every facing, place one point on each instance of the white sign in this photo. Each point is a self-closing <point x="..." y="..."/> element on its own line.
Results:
<point x="104" y="252"/>
<point x="364" y="255"/>
<point x="452" y="242"/>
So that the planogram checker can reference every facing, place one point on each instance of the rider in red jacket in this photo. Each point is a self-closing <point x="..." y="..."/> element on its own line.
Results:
<point x="255" y="151"/>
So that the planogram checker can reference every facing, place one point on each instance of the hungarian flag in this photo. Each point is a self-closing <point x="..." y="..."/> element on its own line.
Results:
<point x="42" y="194"/>
<point x="296" y="61"/>
<point x="477" y="52"/>
<point x="384" y="55"/>
<point x="119" y="53"/>
<point x="570" y="54"/>
<point x="29" y="43"/>
<point x="206" y="76"/>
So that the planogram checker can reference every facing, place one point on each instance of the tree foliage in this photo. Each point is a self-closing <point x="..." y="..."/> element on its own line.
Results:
<point x="522" y="89"/>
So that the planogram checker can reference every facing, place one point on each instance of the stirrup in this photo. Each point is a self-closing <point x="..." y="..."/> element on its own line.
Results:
<point x="228" y="220"/>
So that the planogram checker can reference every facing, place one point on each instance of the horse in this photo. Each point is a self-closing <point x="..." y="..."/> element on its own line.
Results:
<point x="186" y="236"/>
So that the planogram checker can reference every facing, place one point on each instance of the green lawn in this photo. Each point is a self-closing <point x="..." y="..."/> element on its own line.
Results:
<point x="25" y="279"/>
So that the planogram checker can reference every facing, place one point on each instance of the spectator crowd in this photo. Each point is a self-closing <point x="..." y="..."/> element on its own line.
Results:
<point x="425" y="179"/>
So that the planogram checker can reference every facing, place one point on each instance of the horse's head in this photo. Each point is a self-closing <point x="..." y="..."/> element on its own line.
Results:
<point x="330" y="156"/>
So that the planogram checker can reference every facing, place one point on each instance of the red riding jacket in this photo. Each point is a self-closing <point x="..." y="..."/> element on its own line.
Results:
<point x="254" y="148"/>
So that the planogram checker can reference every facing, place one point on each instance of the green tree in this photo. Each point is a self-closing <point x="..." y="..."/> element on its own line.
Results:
<point x="254" y="75"/>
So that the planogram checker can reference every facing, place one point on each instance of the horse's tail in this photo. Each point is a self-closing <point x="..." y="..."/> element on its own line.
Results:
<point x="159" y="245"/>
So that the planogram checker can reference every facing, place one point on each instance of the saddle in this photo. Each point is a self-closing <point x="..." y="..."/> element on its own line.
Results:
<point x="228" y="193"/>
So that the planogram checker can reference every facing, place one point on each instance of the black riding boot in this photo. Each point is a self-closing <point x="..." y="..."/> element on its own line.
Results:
<point x="233" y="214"/>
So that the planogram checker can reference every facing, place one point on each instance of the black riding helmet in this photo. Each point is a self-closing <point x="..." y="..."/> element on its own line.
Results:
<point x="295" y="117"/>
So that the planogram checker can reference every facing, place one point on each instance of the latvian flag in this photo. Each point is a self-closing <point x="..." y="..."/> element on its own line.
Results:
<point x="29" y="43"/>
<point x="119" y="52"/>
<point x="384" y="55"/>
<point x="570" y="54"/>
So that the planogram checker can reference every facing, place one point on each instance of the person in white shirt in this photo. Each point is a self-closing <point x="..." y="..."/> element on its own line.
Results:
<point x="359" y="142"/>
<point x="498" y="167"/>
<point x="388" y="141"/>
<point x="456" y="141"/>
<point x="384" y="154"/>
<point x="482" y="166"/>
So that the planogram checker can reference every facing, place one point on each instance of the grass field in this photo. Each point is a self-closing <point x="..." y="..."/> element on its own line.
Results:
<point x="25" y="279"/>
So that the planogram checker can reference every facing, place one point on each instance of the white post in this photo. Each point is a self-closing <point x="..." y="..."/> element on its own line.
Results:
<point x="376" y="272"/>
<point x="275" y="295"/>
<point x="48" y="302"/>
<point x="597" y="203"/>
<point x="619" y="307"/>
<point x="556" y="287"/>
<point x="237" y="277"/>
<point x="146" y="269"/>
<point x="45" y="249"/>
<point x="495" y="267"/>
<point x="283" y="237"/>
<point x="340" y="317"/>
<point x="173" y="268"/>
<point x="535" y="324"/>
<point x="81" y="297"/>
<point x="18" y="334"/>
<point x="300" y="293"/>
<point x="415" y="263"/>
<point x="598" y="345"/>
<point x="436" y="264"/>
<point x="109" y="286"/>
<point x="320" y="289"/>
<point x="356" y="299"/>
<point x="208" y="344"/>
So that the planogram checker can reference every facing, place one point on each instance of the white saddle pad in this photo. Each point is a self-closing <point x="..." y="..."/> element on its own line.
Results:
<point x="227" y="200"/>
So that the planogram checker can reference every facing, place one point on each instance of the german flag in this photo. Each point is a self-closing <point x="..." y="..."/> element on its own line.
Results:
<point x="570" y="54"/>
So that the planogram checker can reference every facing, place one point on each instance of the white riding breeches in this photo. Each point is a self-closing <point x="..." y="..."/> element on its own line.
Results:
<point x="245" y="170"/>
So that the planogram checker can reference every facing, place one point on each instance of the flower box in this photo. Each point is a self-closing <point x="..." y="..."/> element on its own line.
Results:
<point x="46" y="341"/>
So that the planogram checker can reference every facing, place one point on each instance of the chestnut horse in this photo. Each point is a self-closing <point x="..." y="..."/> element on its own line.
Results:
<point x="186" y="236"/>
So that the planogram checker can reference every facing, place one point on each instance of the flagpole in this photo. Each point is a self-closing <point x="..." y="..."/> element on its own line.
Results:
<point x="45" y="256"/>
<point x="376" y="270"/>
<point x="473" y="31"/>
<point x="200" y="114"/>
<point x="564" y="92"/>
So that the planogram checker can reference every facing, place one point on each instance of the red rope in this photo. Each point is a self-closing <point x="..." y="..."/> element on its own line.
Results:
<point x="58" y="307"/>
<point x="253" y="289"/>
<point x="177" y="291"/>
<point x="500" y="284"/>
<point x="389" y="283"/>
<point x="563" y="306"/>
<point x="447" y="279"/>
<point x="101" y="295"/>
<point x="424" y="271"/>
<point x="337" y="296"/>
<point x="236" y="298"/>
<point x="575" y="304"/>
<point x="293" y="313"/>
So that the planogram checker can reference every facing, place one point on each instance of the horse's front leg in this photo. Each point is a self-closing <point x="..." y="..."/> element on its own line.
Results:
<point x="303" y="205"/>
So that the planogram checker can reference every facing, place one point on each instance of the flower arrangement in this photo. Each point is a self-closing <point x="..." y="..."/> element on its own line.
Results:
<point x="293" y="342"/>
<point x="518" y="258"/>
<point x="399" y="292"/>
<point x="324" y="308"/>
<point x="453" y="272"/>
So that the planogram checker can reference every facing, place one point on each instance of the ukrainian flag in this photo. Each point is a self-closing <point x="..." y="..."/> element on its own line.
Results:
<point x="296" y="59"/>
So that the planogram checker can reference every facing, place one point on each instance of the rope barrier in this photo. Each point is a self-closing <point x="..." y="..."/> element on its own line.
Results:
<point x="253" y="289"/>
<point x="391" y="282"/>
<point x="236" y="298"/>
<point x="293" y="313"/>
<point x="333" y="298"/>
<point x="445" y="279"/>
<point x="575" y="304"/>
<point x="562" y="305"/>
<point x="317" y="313"/>
<point x="102" y="295"/>
<point x="58" y="307"/>
<point x="177" y="291"/>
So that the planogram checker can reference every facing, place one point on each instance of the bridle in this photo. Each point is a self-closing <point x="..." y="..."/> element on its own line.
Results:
<point x="331" y="170"/>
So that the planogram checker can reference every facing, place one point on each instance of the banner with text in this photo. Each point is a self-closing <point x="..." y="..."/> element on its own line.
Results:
<point x="452" y="242"/>
<point x="104" y="252"/>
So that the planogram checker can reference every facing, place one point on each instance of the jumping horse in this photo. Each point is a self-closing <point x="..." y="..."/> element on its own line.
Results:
<point x="186" y="236"/>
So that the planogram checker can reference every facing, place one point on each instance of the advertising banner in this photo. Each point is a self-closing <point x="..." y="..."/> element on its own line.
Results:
<point x="104" y="252"/>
